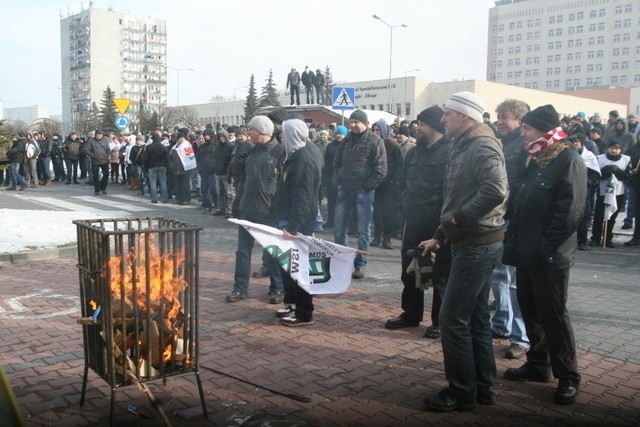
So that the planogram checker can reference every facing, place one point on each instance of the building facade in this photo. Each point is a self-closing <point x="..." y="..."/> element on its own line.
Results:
<point x="564" y="45"/>
<point x="103" y="48"/>
<point x="26" y="115"/>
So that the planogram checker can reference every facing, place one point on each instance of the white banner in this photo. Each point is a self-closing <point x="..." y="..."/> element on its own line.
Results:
<point x="317" y="265"/>
<point x="610" y="202"/>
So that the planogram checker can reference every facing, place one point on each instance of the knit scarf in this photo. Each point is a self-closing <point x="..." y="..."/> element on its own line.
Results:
<point x="535" y="147"/>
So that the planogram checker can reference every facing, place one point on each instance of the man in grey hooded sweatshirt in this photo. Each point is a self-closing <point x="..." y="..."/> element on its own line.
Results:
<point x="297" y="204"/>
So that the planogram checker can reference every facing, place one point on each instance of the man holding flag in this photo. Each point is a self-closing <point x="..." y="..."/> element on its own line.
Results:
<point x="296" y="206"/>
<point x="613" y="165"/>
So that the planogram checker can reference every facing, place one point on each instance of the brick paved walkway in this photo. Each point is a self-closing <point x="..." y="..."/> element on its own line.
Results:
<point x="355" y="372"/>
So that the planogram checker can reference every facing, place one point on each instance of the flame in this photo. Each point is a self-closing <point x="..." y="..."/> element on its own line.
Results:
<point x="93" y="305"/>
<point x="128" y="272"/>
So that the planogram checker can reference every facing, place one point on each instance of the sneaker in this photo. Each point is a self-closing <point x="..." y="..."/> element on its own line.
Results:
<point x="10" y="188"/>
<point x="235" y="296"/>
<point x="582" y="246"/>
<point x="626" y="226"/>
<point x="286" y="311"/>
<point x="293" y="321"/>
<point x="276" y="297"/>
<point x="23" y="187"/>
<point x="358" y="273"/>
<point x="446" y="401"/>
<point x="263" y="272"/>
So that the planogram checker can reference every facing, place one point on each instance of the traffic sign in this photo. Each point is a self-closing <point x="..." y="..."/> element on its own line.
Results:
<point x="122" y="104"/>
<point x="122" y="122"/>
<point x="344" y="98"/>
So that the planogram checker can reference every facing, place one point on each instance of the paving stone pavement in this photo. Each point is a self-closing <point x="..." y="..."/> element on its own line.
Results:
<point x="354" y="371"/>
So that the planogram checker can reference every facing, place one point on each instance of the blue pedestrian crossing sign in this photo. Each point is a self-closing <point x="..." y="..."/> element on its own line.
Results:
<point x="344" y="98"/>
<point x="122" y="122"/>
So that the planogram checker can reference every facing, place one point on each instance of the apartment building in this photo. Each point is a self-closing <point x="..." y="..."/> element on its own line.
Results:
<point x="564" y="45"/>
<point x="101" y="48"/>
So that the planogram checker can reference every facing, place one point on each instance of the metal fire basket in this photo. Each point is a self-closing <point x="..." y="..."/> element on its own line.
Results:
<point x="139" y="296"/>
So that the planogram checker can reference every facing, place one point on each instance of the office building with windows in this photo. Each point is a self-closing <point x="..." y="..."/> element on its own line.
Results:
<point x="101" y="48"/>
<point x="564" y="45"/>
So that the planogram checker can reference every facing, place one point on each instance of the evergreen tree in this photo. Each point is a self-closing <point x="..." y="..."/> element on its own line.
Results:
<point x="108" y="111"/>
<point x="328" y="86"/>
<point x="251" y="105"/>
<point x="269" y="96"/>
<point x="143" y="118"/>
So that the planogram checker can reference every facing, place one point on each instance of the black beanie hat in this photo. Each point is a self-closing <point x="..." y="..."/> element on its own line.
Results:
<point x="613" y="142"/>
<point x="359" y="116"/>
<point x="404" y="130"/>
<point x="543" y="118"/>
<point x="431" y="117"/>
<point x="278" y="115"/>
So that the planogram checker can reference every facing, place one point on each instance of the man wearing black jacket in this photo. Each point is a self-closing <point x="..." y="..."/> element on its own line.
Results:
<point x="421" y="186"/>
<point x="297" y="205"/>
<point x="156" y="163"/>
<point x="540" y="243"/>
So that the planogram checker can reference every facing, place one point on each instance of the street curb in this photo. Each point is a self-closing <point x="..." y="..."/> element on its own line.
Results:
<point x="20" y="257"/>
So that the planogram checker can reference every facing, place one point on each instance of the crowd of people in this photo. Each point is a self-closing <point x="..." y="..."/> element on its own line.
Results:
<point x="479" y="207"/>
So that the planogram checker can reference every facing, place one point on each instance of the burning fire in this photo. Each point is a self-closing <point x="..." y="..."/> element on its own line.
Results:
<point x="152" y="281"/>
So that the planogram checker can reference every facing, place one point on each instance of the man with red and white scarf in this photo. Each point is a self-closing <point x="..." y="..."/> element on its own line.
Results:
<point x="540" y="242"/>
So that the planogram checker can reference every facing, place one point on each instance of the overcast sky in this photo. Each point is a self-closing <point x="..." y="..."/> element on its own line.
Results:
<point x="226" y="41"/>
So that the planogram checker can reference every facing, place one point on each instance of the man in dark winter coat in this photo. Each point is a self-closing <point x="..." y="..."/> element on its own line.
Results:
<point x="540" y="243"/>
<point x="205" y="161"/>
<point x="97" y="151"/>
<point x="71" y="154"/>
<point x="222" y="159"/>
<point x="360" y="166"/>
<point x="16" y="155"/>
<point x="296" y="205"/>
<point x="156" y="163"/>
<point x="507" y="320"/>
<point x="421" y="185"/>
<point x="293" y="82"/>
<point x="256" y="192"/>
<point x="318" y="83"/>
<point x="307" y="82"/>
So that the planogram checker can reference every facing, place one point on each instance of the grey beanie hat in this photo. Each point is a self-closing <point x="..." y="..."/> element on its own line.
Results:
<point x="359" y="116"/>
<point x="262" y="125"/>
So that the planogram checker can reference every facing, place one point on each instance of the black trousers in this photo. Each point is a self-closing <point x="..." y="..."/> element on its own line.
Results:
<point x="294" y="294"/>
<point x="296" y="89"/>
<point x="598" y="219"/>
<point x="542" y="295"/>
<point x="100" y="183"/>
<point x="413" y="298"/>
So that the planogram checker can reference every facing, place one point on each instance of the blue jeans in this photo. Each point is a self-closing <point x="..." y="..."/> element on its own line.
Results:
<point x="469" y="361"/>
<point x="15" y="178"/>
<point x="243" y="265"/>
<point x="631" y="205"/>
<point x="209" y="194"/>
<point x="362" y="202"/>
<point x="158" y="177"/>
<point x="224" y="189"/>
<point x="507" y="320"/>
<point x="72" y="169"/>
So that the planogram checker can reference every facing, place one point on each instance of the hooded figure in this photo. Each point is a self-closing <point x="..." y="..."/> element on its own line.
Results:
<point x="297" y="205"/>
<point x="295" y="135"/>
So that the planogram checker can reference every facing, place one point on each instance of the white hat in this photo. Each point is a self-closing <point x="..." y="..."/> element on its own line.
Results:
<point x="467" y="103"/>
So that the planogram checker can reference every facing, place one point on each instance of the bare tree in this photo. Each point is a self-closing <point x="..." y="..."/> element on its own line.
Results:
<point x="13" y="127"/>
<point x="48" y="126"/>
<point x="188" y="116"/>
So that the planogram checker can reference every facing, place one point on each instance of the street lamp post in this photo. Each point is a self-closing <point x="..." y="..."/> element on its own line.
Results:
<point x="234" y="101"/>
<point x="177" y="70"/>
<point x="405" y="88"/>
<point x="391" y="27"/>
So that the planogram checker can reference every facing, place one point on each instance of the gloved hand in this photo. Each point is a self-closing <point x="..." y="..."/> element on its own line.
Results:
<point x="421" y="268"/>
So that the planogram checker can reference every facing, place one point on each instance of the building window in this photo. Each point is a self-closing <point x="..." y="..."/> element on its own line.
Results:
<point x="615" y="65"/>
<point x="559" y="19"/>
<point x="571" y="30"/>
<point x="617" y="24"/>
<point x="550" y="46"/>
<point x="618" y="10"/>
<point x="569" y="69"/>
<point x="623" y="79"/>
<point x="576" y="69"/>
<point x="600" y="40"/>
<point x="512" y="25"/>
<point x="569" y="56"/>
<point x="626" y="37"/>
<point x="535" y="72"/>
<point x="589" y="81"/>
<point x="519" y="25"/>
<point x="578" y="42"/>
<point x="616" y="38"/>
<point x="578" y="56"/>
<point x="590" y="68"/>
<point x="601" y="26"/>
<point x="551" y="33"/>
<point x="636" y="78"/>
<point x="598" y="67"/>
<point x="625" y="51"/>
<point x="591" y="41"/>
<point x="572" y="17"/>
<point x="592" y="27"/>
<point x="616" y="52"/>
<point x="602" y="12"/>
<point x="593" y="14"/>
<point x="558" y="45"/>
<point x="627" y="8"/>
<point x="614" y="79"/>
<point x="599" y="54"/>
<point x="559" y="32"/>
<point x="552" y="20"/>
<point x="534" y="85"/>
<point x="580" y="15"/>
<point x="624" y="65"/>
<point x="627" y="23"/>
<point x="407" y="109"/>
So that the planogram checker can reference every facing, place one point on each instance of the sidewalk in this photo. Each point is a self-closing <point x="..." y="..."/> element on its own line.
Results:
<point x="354" y="371"/>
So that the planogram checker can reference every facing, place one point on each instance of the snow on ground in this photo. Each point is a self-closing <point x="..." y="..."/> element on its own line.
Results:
<point x="28" y="230"/>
